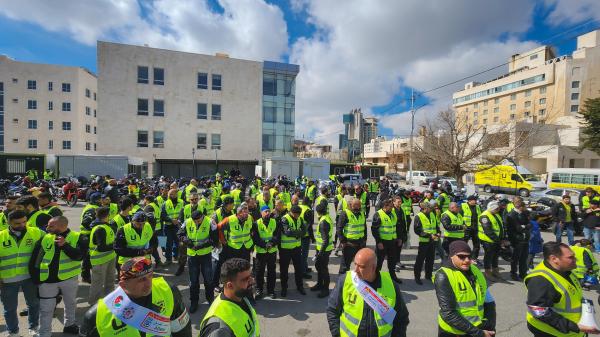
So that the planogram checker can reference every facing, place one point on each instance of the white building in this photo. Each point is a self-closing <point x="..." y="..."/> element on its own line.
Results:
<point x="49" y="109"/>
<point x="175" y="108"/>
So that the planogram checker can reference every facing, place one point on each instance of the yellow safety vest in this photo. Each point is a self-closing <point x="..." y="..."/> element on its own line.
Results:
<point x="236" y="318"/>
<point x="97" y="258"/>
<point x="429" y="224"/>
<point x="15" y="256"/>
<point x="135" y="241"/>
<point x="387" y="230"/>
<point x="199" y="236"/>
<point x="355" y="228"/>
<point x="173" y="210"/>
<point x="496" y="225"/>
<point x="319" y="239"/>
<point x="239" y="235"/>
<point x="265" y="232"/>
<point x="33" y="218"/>
<point x="67" y="268"/>
<point x="581" y="269"/>
<point x="118" y="219"/>
<point x="455" y="220"/>
<point x="288" y="242"/>
<point x="467" y="214"/>
<point x="83" y="230"/>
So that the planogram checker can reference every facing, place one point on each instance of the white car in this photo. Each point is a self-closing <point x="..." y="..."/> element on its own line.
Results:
<point x="557" y="193"/>
<point x="418" y="177"/>
<point x="453" y="184"/>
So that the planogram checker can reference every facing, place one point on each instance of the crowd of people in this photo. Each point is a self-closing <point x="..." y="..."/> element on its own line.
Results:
<point x="233" y="234"/>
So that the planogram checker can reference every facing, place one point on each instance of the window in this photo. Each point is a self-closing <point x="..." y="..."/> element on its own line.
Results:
<point x="50" y="86"/>
<point x="15" y="121"/>
<point x="50" y="105"/>
<point x="216" y="82"/>
<point x="574" y="108"/>
<point x="496" y="110"/>
<point x="513" y="107"/>
<point x="201" y="141"/>
<point x="88" y="93"/>
<point x="485" y="111"/>
<point x="513" y="97"/>
<point x="32" y="124"/>
<point x="159" y="76"/>
<point x="142" y="75"/>
<point x="88" y="146"/>
<point x="32" y="143"/>
<point x="542" y="101"/>
<point x="142" y="107"/>
<point x="575" y="84"/>
<point x="527" y="113"/>
<point x="485" y="103"/>
<point x="542" y="90"/>
<point x="215" y="112"/>
<point x="475" y="105"/>
<point x="15" y="140"/>
<point x="475" y="114"/>
<point x="50" y="125"/>
<point x="15" y="80"/>
<point x="142" y="138"/>
<point x="527" y="104"/>
<point x="66" y="106"/>
<point x="512" y="117"/>
<point x="66" y="144"/>
<point x="496" y="119"/>
<point x="215" y="141"/>
<point x="94" y="130"/>
<point x="269" y="85"/>
<point x="88" y="111"/>
<point x="94" y="113"/>
<point x="533" y="57"/>
<point x="269" y="114"/>
<point x="268" y="142"/>
<point x="527" y="93"/>
<point x="574" y="96"/>
<point x="159" y="107"/>
<point x="541" y="112"/>
<point x="288" y="116"/>
<point x="31" y="84"/>
<point x="502" y="88"/>
<point x="50" y="144"/>
<point x="94" y="96"/>
<point x="202" y="81"/>
<point x="94" y="146"/>
<point x="496" y="100"/>
<point x="66" y="87"/>
<point x="32" y="104"/>
<point x="158" y="139"/>
<point x="15" y="100"/>
<point x="88" y="128"/>
<point x="201" y="111"/>
<point x="66" y="126"/>
<point x="484" y="121"/>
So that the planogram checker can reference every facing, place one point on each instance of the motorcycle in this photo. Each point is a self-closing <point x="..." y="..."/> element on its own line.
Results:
<point x="67" y="191"/>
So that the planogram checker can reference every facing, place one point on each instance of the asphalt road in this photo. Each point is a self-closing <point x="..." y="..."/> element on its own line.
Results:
<point x="300" y="315"/>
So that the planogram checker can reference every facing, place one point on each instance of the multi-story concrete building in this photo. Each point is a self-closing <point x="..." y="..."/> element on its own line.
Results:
<point x="189" y="114"/>
<point x="357" y="132"/>
<point x="540" y="88"/>
<point x="369" y="129"/>
<point x="48" y="109"/>
<point x="394" y="154"/>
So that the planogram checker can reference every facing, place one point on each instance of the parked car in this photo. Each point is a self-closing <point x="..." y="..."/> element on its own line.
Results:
<point x="419" y="177"/>
<point x="351" y="179"/>
<point x="394" y="177"/>
<point x="557" y="194"/>
<point x="453" y="184"/>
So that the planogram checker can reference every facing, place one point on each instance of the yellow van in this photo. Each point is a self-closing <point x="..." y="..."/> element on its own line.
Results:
<point x="574" y="178"/>
<point x="507" y="179"/>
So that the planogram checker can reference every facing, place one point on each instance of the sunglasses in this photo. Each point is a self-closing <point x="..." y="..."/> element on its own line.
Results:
<point x="463" y="257"/>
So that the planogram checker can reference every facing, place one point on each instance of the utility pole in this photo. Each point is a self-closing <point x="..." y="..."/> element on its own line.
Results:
<point x="412" y="130"/>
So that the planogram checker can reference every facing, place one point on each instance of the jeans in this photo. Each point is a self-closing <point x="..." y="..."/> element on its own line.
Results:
<point x="172" y="243"/>
<point x="196" y="265"/>
<point x="9" y="294"/>
<point x="570" y="232"/>
<point x="594" y="235"/>
<point x="305" y="246"/>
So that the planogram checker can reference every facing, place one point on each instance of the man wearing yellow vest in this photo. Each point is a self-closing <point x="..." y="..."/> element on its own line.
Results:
<point x="266" y="235"/>
<point x="373" y="189"/>
<point x="384" y="230"/>
<point x="169" y="214"/>
<point x="192" y="187"/>
<point x="352" y="231"/>
<point x="554" y="295"/>
<point x="443" y="200"/>
<point x="586" y="261"/>
<point x="18" y="241"/>
<point x="566" y="218"/>
<point x="231" y="314"/>
<point x="590" y="194"/>
<point x="47" y="205"/>
<point x="466" y="306"/>
<point x="361" y="194"/>
<point x="35" y="216"/>
<point x="140" y="303"/>
<point x="310" y="192"/>
<point x="9" y="206"/>
<point x="470" y="212"/>
<point x="136" y="238"/>
<point x="195" y="236"/>
<point x="113" y="208"/>
<point x="492" y="236"/>
<point x="102" y="256"/>
<point x="217" y="236"/>
<point x="292" y="231"/>
<point x="426" y="227"/>
<point x="185" y="214"/>
<point x="88" y="215"/>
<point x="265" y="199"/>
<point x="453" y="225"/>
<point x="56" y="264"/>
<point x="122" y="218"/>
<point x="237" y="194"/>
<point x="366" y="302"/>
<point x="323" y="247"/>
<point x="402" y="228"/>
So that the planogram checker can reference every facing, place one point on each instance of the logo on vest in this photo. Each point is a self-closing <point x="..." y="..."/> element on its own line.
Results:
<point x="248" y="326"/>
<point x="128" y="312"/>
<point x="117" y="301"/>
<point x="462" y="287"/>
<point x="7" y="244"/>
<point x="352" y="298"/>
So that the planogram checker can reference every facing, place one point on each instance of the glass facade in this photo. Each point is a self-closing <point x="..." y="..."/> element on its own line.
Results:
<point x="279" y="108"/>
<point x="506" y="87"/>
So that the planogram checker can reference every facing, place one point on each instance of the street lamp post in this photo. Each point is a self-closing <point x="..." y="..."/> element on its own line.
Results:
<point x="193" y="162"/>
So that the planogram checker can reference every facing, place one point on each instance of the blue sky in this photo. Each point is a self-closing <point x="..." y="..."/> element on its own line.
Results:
<point x="335" y="44"/>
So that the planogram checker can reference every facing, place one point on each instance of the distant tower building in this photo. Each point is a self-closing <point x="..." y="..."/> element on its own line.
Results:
<point x="357" y="132"/>
<point x="369" y="129"/>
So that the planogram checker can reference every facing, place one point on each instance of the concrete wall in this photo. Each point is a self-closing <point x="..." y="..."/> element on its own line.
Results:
<point x="240" y="100"/>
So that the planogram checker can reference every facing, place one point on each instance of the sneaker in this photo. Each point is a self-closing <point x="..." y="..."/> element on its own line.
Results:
<point x="72" y="330"/>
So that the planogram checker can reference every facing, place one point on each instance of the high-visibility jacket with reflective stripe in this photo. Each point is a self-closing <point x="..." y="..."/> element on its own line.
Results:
<point x="445" y="201"/>
<point x="304" y="220"/>
<point x="239" y="234"/>
<point x="118" y="219"/>
<point x="32" y="221"/>
<point x="355" y="228"/>
<point x="342" y="203"/>
<point x="467" y="214"/>
<point x="455" y="220"/>
<point x="187" y="210"/>
<point x="135" y="241"/>
<point x="67" y="268"/>
<point x="569" y="305"/>
<point x="469" y="301"/>
<point x="83" y="230"/>
<point x="387" y="230"/>
<point x="429" y="224"/>
<point x="265" y="232"/>
<point x="97" y="258"/>
<point x="236" y="318"/>
<point x="113" y="210"/>
<point x="406" y="206"/>
<point x="156" y="212"/>
<point x="15" y="256"/>
<point x="235" y="194"/>
<point x="363" y="202"/>
<point x="173" y="210"/>
<point x="261" y="202"/>
<point x="319" y="238"/>
<point x="199" y="236"/>
<point x="581" y="269"/>
<point x="496" y="226"/>
<point x="3" y="221"/>
<point x="288" y="242"/>
<point x="352" y="313"/>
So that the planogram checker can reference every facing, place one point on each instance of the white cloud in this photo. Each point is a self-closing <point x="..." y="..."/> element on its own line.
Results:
<point x="573" y="11"/>
<point x="364" y="51"/>
<point x="249" y="29"/>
